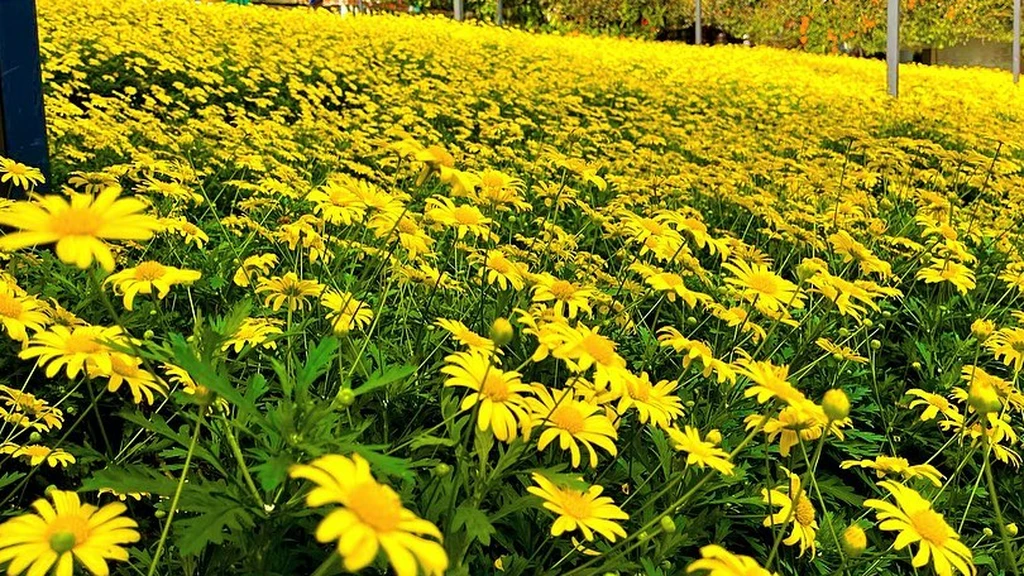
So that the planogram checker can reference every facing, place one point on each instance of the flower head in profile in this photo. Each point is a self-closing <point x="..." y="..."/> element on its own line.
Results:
<point x="369" y="517"/>
<point x="794" y="506"/>
<point x="19" y="174"/>
<point x="255" y="332"/>
<point x="960" y="276"/>
<point x="501" y="394"/>
<point x="37" y="454"/>
<point x="78" y="227"/>
<point x="1007" y="345"/>
<point x="75" y="349"/>
<point x="700" y="452"/>
<point x="583" y="510"/>
<point x="654" y="403"/>
<point x="890" y="465"/>
<point x="254" y="267"/>
<point x="345" y="313"/>
<point x="149" y="277"/>
<point x="21" y="313"/>
<point x="59" y="534"/>
<point x="717" y="561"/>
<point x="465" y="219"/>
<point x="125" y="369"/>
<point x="768" y="381"/>
<point x="466" y="337"/>
<point x="915" y="520"/>
<point x="288" y="289"/>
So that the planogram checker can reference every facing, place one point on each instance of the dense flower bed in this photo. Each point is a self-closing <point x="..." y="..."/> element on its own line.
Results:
<point x="311" y="294"/>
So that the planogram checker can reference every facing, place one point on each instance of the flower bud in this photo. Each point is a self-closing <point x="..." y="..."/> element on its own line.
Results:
<point x="844" y="332"/>
<point x="1012" y="529"/>
<point x="867" y="323"/>
<point x="876" y="344"/>
<point x="667" y="524"/>
<point x="983" y="397"/>
<point x="916" y="365"/>
<point x="986" y="532"/>
<point x="714" y="436"/>
<point x="886" y="314"/>
<point x="691" y="321"/>
<point x="836" y="404"/>
<point x="148" y="334"/>
<point x="442" y="469"/>
<point x="35" y="437"/>
<point x="159" y="514"/>
<point x="982" y="329"/>
<point x="346" y="397"/>
<point x="502" y="331"/>
<point x="855" y="541"/>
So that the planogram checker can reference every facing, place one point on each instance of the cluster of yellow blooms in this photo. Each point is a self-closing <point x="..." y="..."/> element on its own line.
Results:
<point x="693" y="245"/>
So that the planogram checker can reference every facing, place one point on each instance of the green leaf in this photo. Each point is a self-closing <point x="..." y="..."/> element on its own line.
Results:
<point x="10" y="478"/>
<point x="385" y="377"/>
<point x="206" y="375"/>
<point x="478" y="527"/>
<point x="157" y="425"/>
<point x="425" y="440"/>
<point x="272" y="472"/>
<point x="317" y="363"/>
<point x="212" y="527"/>
<point x="130" y="478"/>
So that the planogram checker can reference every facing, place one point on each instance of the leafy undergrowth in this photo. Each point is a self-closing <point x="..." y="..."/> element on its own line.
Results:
<point x="311" y="294"/>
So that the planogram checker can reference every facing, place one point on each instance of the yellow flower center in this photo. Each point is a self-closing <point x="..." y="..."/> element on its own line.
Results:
<point x="496" y="388"/>
<point x="804" y="511"/>
<point x="499" y="264"/>
<point x="76" y="222"/>
<point x="441" y="156"/>
<point x="948" y="272"/>
<point x="190" y="229"/>
<point x="80" y="343"/>
<point x="375" y="506"/>
<point x="763" y="282"/>
<point x="66" y="532"/>
<point x="601" y="349"/>
<point x="406" y="226"/>
<point x="149" y="271"/>
<point x="563" y="290"/>
<point x="491" y="181"/>
<point x="466" y="215"/>
<point x="576" y="505"/>
<point x="930" y="525"/>
<point x="10" y="306"/>
<point x="1017" y="345"/>
<point x="568" y="418"/>
<point x="640" y="391"/>
<point x="123" y="368"/>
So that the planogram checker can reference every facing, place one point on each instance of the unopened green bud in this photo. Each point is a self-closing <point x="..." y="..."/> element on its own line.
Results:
<point x="667" y="524"/>
<point x="346" y="397"/>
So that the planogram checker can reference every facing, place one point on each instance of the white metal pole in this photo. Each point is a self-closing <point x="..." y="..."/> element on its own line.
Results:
<point x="458" y="10"/>
<point x="1016" y="41"/>
<point x="696" y="24"/>
<point x="892" y="48"/>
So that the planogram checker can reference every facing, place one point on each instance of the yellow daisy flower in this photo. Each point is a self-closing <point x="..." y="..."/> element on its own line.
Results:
<point x="960" y="276"/>
<point x="345" y="313"/>
<point x="58" y="534"/>
<point x="569" y="299"/>
<point x="37" y="454"/>
<point x="465" y="219"/>
<point x="582" y="347"/>
<point x="370" y="516"/>
<point x="1007" y="345"/>
<point x="915" y="520"/>
<point x="288" y="289"/>
<point x="19" y="174"/>
<point x="656" y="403"/>
<point x="759" y="284"/>
<point x="883" y="465"/>
<point x="571" y="421"/>
<point x="254" y="267"/>
<point x="796" y="507"/>
<point x="717" y="561"/>
<point x="700" y="452"/>
<point x="466" y="337"/>
<point x="586" y="511"/>
<point x="255" y="332"/>
<point x="147" y="277"/>
<point x="125" y="369"/>
<point x="75" y="349"/>
<point x="21" y="313"/>
<point x="499" y="393"/>
<point x="768" y="381"/>
<point x="78" y="227"/>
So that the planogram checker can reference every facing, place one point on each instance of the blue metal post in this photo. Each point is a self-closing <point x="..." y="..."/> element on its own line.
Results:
<point x="22" y="125"/>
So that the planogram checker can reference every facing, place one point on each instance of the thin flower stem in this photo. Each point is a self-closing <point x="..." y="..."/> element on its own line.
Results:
<point x="1007" y="549"/>
<point x="237" y="451"/>
<point x="177" y="496"/>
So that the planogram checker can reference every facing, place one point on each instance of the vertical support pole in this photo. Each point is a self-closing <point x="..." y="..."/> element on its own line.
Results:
<point x="22" y="125"/>
<point x="1016" y="41"/>
<point x="499" y="16"/>
<point x="892" y="48"/>
<point x="459" y="10"/>
<point x="697" y="25"/>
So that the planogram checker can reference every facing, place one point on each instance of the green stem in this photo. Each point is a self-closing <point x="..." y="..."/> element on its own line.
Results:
<point x="987" y="466"/>
<point x="237" y="451"/>
<point x="177" y="497"/>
